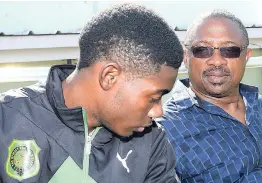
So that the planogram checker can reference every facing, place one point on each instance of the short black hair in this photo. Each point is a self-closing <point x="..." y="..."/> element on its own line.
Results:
<point x="134" y="37"/>
<point x="216" y="13"/>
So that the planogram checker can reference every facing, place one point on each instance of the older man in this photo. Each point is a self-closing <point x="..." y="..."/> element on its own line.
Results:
<point x="93" y="122"/>
<point x="213" y="121"/>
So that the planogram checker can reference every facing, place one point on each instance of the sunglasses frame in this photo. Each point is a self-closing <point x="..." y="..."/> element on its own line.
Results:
<point x="218" y="48"/>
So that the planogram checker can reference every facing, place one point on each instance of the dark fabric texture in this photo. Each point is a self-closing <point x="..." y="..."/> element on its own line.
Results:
<point x="38" y="112"/>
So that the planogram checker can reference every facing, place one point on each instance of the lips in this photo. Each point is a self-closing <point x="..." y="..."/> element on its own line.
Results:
<point x="140" y="129"/>
<point x="217" y="75"/>
<point x="217" y="78"/>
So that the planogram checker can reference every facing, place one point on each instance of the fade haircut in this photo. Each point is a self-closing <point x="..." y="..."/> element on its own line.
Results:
<point x="217" y="13"/>
<point x="136" y="38"/>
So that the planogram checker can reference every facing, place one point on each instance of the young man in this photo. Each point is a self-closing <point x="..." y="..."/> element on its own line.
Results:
<point x="93" y="122"/>
<point x="214" y="122"/>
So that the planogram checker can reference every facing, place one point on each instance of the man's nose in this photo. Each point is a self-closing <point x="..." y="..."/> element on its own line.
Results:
<point x="216" y="59"/>
<point x="156" y="111"/>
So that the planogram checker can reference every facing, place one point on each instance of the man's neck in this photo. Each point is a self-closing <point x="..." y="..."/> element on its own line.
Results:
<point x="233" y="104"/>
<point x="73" y="98"/>
<point x="221" y="101"/>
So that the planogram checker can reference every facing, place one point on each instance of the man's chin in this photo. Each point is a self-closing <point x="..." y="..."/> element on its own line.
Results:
<point x="130" y="133"/>
<point x="217" y="91"/>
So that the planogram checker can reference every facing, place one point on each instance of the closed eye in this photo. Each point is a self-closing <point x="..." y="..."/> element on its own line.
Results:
<point x="155" y="100"/>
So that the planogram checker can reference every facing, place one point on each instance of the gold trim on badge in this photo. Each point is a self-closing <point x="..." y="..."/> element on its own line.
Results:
<point x="23" y="161"/>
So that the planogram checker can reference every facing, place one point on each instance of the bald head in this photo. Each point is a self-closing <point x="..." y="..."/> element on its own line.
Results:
<point x="215" y="14"/>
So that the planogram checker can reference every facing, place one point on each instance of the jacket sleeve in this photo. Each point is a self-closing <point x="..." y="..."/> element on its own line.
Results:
<point x="162" y="160"/>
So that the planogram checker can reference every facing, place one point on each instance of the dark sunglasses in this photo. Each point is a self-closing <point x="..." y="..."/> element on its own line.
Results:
<point x="208" y="51"/>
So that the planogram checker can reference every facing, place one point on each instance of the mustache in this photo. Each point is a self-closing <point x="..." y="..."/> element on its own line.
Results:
<point x="217" y="69"/>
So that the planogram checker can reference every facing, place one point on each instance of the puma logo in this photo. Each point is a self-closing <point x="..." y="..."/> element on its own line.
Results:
<point x="123" y="160"/>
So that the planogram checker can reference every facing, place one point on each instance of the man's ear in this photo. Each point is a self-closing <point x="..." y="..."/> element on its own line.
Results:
<point x="249" y="54"/>
<point x="109" y="74"/>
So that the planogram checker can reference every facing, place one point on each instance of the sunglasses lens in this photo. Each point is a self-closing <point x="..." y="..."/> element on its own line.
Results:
<point x="230" y="52"/>
<point x="202" y="51"/>
<point x="206" y="52"/>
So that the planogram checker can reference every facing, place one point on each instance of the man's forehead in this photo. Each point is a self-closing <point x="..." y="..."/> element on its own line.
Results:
<point x="217" y="25"/>
<point x="218" y="30"/>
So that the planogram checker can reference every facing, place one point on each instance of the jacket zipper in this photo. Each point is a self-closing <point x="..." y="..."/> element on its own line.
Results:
<point x="87" y="149"/>
<point x="87" y="152"/>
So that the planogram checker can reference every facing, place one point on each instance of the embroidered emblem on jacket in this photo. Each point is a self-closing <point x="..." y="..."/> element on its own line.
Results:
<point x="123" y="160"/>
<point x="22" y="161"/>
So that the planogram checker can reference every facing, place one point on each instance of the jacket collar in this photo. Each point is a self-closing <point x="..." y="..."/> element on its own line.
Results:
<point x="183" y="98"/>
<point x="71" y="117"/>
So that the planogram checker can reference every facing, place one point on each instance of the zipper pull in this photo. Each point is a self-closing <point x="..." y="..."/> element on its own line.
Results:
<point x="88" y="144"/>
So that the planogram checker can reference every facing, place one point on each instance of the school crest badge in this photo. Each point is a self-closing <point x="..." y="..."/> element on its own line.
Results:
<point x="23" y="160"/>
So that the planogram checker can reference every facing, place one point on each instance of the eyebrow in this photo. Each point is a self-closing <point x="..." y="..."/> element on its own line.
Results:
<point x="163" y="92"/>
<point x="230" y="42"/>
